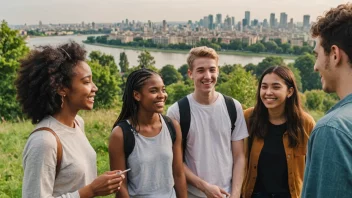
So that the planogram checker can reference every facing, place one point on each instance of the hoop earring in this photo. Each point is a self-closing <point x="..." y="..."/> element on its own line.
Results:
<point x="62" y="101"/>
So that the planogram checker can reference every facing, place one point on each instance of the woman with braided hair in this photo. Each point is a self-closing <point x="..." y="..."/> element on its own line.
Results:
<point x="155" y="159"/>
<point x="53" y="84"/>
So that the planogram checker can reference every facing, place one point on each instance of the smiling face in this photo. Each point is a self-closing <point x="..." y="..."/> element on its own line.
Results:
<point x="274" y="92"/>
<point x="204" y="73"/>
<point x="322" y="65"/>
<point x="82" y="91"/>
<point x="152" y="95"/>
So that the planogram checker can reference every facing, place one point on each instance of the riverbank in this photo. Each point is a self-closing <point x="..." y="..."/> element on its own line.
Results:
<point x="229" y="52"/>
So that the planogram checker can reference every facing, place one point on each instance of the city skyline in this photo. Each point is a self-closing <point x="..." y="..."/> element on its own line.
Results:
<point x="109" y="11"/>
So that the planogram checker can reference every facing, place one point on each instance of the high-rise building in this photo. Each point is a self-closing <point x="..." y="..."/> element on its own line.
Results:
<point x="265" y="23"/>
<point x="255" y="22"/>
<point x="218" y="18"/>
<point x="211" y="22"/>
<point x="291" y="25"/>
<point x="40" y="24"/>
<point x="272" y="20"/>
<point x="306" y="21"/>
<point x="247" y="16"/>
<point x="283" y="20"/>
<point x="206" y="22"/>
<point x="233" y="21"/>
<point x="93" y="25"/>
<point x="164" y="25"/>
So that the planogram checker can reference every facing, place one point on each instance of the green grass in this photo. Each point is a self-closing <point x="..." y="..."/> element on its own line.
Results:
<point x="228" y="52"/>
<point x="13" y="137"/>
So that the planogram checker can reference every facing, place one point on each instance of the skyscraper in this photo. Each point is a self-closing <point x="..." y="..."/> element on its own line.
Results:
<point x="247" y="16"/>
<point x="164" y="25"/>
<point x="232" y="20"/>
<point x="306" y="21"/>
<point x="206" y="22"/>
<point x="283" y="20"/>
<point x="272" y="20"/>
<point x="218" y="18"/>
<point x="211" y="22"/>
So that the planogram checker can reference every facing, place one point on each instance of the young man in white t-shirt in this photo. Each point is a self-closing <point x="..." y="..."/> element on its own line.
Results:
<point x="214" y="156"/>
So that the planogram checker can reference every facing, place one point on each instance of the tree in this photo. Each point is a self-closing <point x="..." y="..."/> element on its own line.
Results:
<point x="183" y="70"/>
<point x="108" y="85"/>
<point x="242" y="85"/>
<point x="310" y="79"/>
<point x="266" y="63"/>
<point x="177" y="91"/>
<point x="91" y="39"/>
<point x="297" y="75"/>
<point x="12" y="49"/>
<point x="258" y="47"/>
<point x="314" y="99"/>
<point x="271" y="46"/>
<point x="124" y="64"/>
<point x="170" y="74"/>
<point x="145" y="60"/>
<point x="104" y="60"/>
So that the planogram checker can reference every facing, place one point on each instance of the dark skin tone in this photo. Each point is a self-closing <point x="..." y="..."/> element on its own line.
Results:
<point x="81" y="96"/>
<point x="151" y="101"/>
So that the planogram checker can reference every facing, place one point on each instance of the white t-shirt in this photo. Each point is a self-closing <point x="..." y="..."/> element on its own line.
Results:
<point x="208" y="152"/>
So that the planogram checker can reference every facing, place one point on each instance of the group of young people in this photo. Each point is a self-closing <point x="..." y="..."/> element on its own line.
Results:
<point x="206" y="145"/>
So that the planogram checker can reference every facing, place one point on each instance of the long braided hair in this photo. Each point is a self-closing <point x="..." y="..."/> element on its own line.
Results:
<point x="130" y="107"/>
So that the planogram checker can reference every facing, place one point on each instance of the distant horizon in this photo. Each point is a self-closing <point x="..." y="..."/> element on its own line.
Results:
<point x="113" y="11"/>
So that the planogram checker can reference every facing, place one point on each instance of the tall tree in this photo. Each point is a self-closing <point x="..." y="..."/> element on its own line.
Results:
<point x="266" y="63"/>
<point x="12" y="49"/>
<point x="124" y="64"/>
<point x="146" y="60"/>
<point x="183" y="70"/>
<point x="104" y="60"/>
<point x="241" y="85"/>
<point x="170" y="74"/>
<point x="310" y="79"/>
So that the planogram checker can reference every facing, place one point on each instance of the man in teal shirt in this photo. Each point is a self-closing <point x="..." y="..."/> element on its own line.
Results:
<point x="328" y="170"/>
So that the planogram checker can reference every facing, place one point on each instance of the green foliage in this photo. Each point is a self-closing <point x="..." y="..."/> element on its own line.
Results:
<point x="145" y="60"/>
<point x="318" y="100"/>
<point x="12" y="49"/>
<point x="183" y="70"/>
<point x="170" y="74"/>
<point x="241" y="86"/>
<point x="108" y="85"/>
<point x="256" y="48"/>
<point x="266" y="63"/>
<point x="177" y="91"/>
<point x="91" y="39"/>
<point x="297" y="75"/>
<point x="124" y="64"/>
<point x="104" y="60"/>
<point x="310" y="79"/>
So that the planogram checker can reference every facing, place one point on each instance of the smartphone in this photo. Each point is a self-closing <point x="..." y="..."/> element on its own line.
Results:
<point x="122" y="172"/>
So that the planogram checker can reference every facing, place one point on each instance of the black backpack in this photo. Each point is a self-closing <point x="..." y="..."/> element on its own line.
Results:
<point x="185" y="117"/>
<point x="129" y="133"/>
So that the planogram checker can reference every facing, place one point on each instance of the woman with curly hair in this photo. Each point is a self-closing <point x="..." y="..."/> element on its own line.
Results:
<point x="53" y="84"/>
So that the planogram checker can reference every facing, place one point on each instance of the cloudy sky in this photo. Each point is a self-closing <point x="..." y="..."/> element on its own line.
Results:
<point x="75" y="11"/>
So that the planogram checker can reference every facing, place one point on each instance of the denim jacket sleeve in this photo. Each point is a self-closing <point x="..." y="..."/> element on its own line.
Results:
<point x="328" y="170"/>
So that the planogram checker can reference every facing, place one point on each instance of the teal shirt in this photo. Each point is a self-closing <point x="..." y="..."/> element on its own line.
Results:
<point x="328" y="170"/>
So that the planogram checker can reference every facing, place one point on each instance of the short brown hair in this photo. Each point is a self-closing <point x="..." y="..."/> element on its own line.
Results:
<point x="199" y="52"/>
<point x="335" y="28"/>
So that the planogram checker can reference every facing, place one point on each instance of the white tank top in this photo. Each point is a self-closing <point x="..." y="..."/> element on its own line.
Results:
<point x="151" y="166"/>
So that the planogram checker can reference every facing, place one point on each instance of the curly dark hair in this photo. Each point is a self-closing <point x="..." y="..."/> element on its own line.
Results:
<point x="44" y="71"/>
<point x="335" y="28"/>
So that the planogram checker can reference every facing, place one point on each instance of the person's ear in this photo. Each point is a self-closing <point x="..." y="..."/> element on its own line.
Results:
<point x="136" y="96"/>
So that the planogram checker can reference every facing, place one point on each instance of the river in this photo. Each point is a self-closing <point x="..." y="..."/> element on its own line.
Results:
<point x="161" y="58"/>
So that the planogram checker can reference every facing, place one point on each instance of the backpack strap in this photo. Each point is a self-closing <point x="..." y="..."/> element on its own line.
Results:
<point x="128" y="138"/>
<point x="185" y="120"/>
<point x="59" y="147"/>
<point x="231" y="109"/>
<point x="171" y="127"/>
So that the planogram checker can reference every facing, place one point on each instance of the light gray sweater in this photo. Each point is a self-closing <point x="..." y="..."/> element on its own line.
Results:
<point x="78" y="167"/>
